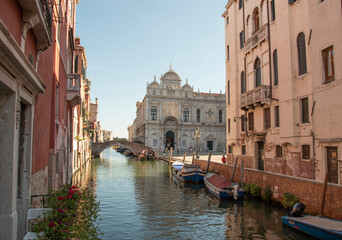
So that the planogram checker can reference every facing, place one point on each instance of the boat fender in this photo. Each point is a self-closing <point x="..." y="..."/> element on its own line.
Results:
<point x="297" y="210"/>
<point x="235" y="190"/>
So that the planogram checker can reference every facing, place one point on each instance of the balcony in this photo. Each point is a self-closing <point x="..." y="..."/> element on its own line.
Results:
<point x="257" y="37"/>
<point x="87" y="83"/>
<point x="256" y="97"/>
<point x="73" y="89"/>
<point x="37" y="14"/>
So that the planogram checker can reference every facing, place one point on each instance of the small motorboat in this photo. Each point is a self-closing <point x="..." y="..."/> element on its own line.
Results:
<point x="187" y="172"/>
<point x="318" y="227"/>
<point x="222" y="187"/>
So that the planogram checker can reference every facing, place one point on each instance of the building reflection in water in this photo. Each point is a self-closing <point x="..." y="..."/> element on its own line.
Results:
<point x="140" y="200"/>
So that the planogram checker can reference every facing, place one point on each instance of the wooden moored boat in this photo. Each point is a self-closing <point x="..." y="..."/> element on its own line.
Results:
<point x="187" y="172"/>
<point x="318" y="227"/>
<point x="222" y="187"/>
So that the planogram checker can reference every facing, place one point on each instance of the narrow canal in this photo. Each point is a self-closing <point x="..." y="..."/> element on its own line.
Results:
<point x="141" y="200"/>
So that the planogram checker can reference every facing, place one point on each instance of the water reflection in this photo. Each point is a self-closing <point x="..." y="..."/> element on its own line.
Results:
<point x="141" y="200"/>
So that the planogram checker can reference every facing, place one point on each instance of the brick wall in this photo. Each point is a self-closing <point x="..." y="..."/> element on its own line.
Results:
<point x="308" y="191"/>
<point x="39" y="182"/>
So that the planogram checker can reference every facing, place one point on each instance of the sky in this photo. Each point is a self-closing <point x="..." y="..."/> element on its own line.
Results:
<point x="127" y="42"/>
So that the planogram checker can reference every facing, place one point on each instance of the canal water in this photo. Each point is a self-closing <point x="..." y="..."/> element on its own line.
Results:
<point x="141" y="200"/>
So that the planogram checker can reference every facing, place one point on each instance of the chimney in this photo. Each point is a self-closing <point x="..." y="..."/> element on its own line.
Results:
<point x="96" y="100"/>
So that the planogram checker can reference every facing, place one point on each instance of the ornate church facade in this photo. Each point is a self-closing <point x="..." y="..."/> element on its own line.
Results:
<point x="170" y="113"/>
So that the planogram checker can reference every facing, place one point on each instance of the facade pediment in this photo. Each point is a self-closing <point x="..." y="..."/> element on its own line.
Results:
<point x="210" y="137"/>
<point x="171" y="120"/>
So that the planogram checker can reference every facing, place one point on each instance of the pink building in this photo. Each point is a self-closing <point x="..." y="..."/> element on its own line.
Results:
<point x="283" y="86"/>
<point x="80" y="115"/>
<point x="37" y="95"/>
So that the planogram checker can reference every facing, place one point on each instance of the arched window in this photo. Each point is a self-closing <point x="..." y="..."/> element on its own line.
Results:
<point x="243" y="82"/>
<point x="220" y="116"/>
<point x="186" y="115"/>
<point x="247" y="26"/>
<point x="257" y="71"/>
<point x="153" y="113"/>
<point x="256" y="20"/>
<point x="198" y="115"/>
<point x="275" y="66"/>
<point x="273" y="16"/>
<point x="301" y="53"/>
<point x="240" y="4"/>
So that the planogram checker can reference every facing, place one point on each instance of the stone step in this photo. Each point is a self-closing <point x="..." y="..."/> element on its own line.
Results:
<point x="34" y="213"/>
<point x="30" y="235"/>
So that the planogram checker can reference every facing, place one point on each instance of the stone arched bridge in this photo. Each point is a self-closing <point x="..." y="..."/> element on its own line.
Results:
<point x="98" y="147"/>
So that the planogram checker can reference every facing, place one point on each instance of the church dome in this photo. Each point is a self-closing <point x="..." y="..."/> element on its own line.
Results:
<point x="171" y="75"/>
<point x="154" y="84"/>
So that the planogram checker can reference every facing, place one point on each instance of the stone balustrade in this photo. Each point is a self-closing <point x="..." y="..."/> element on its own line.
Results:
<point x="258" y="95"/>
<point x="256" y="38"/>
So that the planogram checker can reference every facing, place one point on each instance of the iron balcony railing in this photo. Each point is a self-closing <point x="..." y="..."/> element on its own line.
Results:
<point x="39" y="201"/>
<point x="46" y="7"/>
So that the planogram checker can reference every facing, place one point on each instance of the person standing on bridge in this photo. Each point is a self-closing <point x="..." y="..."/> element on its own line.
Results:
<point x="224" y="160"/>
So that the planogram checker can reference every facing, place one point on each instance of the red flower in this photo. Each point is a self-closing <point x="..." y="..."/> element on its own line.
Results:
<point x="71" y="191"/>
<point x="52" y="224"/>
<point x="79" y="193"/>
<point x="73" y="187"/>
<point x="60" y="198"/>
<point x="69" y="196"/>
<point x="60" y="210"/>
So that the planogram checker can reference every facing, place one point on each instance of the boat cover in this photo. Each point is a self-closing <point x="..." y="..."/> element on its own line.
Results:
<point x="178" y="165"/>
<point x="219" y="181"/>
<point x="191" y="168"/>
<point x="326" y="223"/>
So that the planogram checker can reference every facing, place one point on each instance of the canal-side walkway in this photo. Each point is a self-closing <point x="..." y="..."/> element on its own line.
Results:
<point x="215" y="157"/>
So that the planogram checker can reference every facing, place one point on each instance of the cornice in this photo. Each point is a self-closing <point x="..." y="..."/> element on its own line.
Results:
<point x="15" y="60"/>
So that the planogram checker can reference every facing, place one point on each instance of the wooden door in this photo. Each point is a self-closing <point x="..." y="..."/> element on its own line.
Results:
<point x="260" y="156"/>
<point x="332" y="164"/>
<point x="210" y="145"/>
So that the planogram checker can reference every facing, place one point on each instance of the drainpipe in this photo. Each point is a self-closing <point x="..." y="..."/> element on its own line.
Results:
<point x="312" y="133"/>
<point x="269" y="45"/>
<point x="244" y="63"/>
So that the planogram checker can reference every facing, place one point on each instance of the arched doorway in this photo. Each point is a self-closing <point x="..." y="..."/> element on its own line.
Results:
<point x="170" y="140"/>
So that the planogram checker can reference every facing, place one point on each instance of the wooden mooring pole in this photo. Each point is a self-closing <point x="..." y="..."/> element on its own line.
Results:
<point x="242" y="169"/>
<point x="170" y="156"/>
<point x="236" y="160"/>
<point x="184" y="157"/>
<point x="323" y="194"/>
<point x="193" y="158"/>
<point x="209" y="157"/>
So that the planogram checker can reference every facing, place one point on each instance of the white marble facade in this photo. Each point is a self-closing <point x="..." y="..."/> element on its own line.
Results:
<point x="170" y="113"/>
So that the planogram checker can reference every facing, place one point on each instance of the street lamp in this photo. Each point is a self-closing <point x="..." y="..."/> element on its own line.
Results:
<point x="197" y="136"/>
